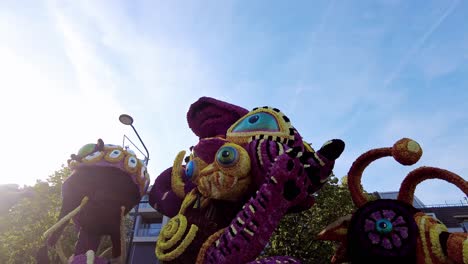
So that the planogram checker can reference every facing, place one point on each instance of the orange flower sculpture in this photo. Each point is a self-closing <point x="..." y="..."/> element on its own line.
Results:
<point x="393" y="231"/>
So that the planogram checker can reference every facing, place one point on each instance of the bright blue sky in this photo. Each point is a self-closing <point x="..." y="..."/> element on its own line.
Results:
<point x="368" y="72"/>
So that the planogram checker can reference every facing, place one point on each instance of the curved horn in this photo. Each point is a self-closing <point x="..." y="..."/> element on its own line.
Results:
<point x="177" y="183"/>
<point x="406" y="151"/>
<point x="408" y="186"/>
<point x="59" y="226"/>
<point x="52" y="235"/>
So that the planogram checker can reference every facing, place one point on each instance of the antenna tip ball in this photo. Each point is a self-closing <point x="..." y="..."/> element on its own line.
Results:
<point x="406" y="151"/>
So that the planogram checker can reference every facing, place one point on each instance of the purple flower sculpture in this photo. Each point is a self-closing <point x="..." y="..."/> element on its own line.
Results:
<point x="386" y="228"/>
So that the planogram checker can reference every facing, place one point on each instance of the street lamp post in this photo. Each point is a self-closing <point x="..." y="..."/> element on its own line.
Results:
<point x="128" y="120"/>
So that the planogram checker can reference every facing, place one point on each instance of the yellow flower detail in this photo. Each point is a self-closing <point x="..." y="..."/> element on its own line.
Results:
<point x="421" y="220"/>
<point x="434" y="233"/>
<point x="177" y="183"/>
<point x="178" y="223"/>
<point x="112" y="147"/>
<point x="465" y="251"/>
<point x="172" y="232"/>
<point x="188" y="200"/>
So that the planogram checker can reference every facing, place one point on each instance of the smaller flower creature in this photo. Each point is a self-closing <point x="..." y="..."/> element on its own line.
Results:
<point x="393" y="231"/>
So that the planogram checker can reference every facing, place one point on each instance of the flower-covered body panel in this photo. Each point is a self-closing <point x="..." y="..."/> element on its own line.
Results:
<point x="261" y="169"/>
<point x="106" y="182"/>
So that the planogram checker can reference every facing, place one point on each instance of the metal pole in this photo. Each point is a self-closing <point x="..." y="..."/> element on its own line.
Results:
<point x="130" y="244"/>
<point x="147" y="153"/>
<point x="134" y="145"/>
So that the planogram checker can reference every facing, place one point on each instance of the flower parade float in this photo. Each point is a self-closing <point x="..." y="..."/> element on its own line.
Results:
<point x="106" y="182"/>
<point x="229" y="194"/>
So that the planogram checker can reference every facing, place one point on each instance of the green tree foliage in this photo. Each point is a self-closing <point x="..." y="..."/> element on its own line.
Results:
<point x="22" y="226"/>
<point x="296" y="233"/>
<point x="24" y="223"/>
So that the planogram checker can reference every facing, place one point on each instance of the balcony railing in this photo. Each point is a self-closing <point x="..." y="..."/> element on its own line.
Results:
<point x="144" y="206"/>
<point x="446" y="205"/>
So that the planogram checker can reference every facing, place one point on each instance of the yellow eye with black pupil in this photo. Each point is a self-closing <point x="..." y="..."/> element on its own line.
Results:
<point x="227" y="156"/>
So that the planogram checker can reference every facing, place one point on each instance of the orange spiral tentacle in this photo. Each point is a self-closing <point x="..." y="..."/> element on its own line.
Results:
<point x="408" y="186"/>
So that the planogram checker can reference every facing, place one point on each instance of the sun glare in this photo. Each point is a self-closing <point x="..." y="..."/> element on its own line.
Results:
<point x="44" y="121"/>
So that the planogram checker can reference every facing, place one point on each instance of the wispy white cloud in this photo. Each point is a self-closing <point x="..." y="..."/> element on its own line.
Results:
<point x="442" y="58"/>
<point x="343" y="90"/>
<point x="419" y="43"/>
<point x="153" y="77"/>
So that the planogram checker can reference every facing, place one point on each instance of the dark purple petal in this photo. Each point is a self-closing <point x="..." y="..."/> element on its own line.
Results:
<point x="376" y="216"/>
<point x="386" y="243"/>
<point x="399" y="221"/>
<point x="403" y="231"/>
<point x="369" y="226"/>
<point x="375" y="238"/>
<point x="396" y="240"/>
<point x="389" y="214"/>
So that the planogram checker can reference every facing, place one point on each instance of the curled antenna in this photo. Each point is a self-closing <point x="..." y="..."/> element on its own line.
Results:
<point x="406" y="151"/>
<point x="408" y="186"/>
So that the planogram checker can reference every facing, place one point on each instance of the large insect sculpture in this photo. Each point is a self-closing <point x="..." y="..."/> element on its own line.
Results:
<point x="106" y="182"/>
<point x="237" y="184"/>
<point x="393" y="231"/>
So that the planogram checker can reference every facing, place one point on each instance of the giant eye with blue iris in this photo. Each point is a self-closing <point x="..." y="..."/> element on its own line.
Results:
<point x="227" y="156"/>
<point x="190" y="169"/>
<point x="259" y="121"/>
<point x="383" y="226"/>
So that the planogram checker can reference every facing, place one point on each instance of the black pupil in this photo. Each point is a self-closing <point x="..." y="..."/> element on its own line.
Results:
<point x="225" y="153"/>
<point x="382" y="225"/>
<point x="253" y="119"/>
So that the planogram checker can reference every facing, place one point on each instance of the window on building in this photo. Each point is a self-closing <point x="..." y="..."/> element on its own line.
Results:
<point x="150" y="227"/>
